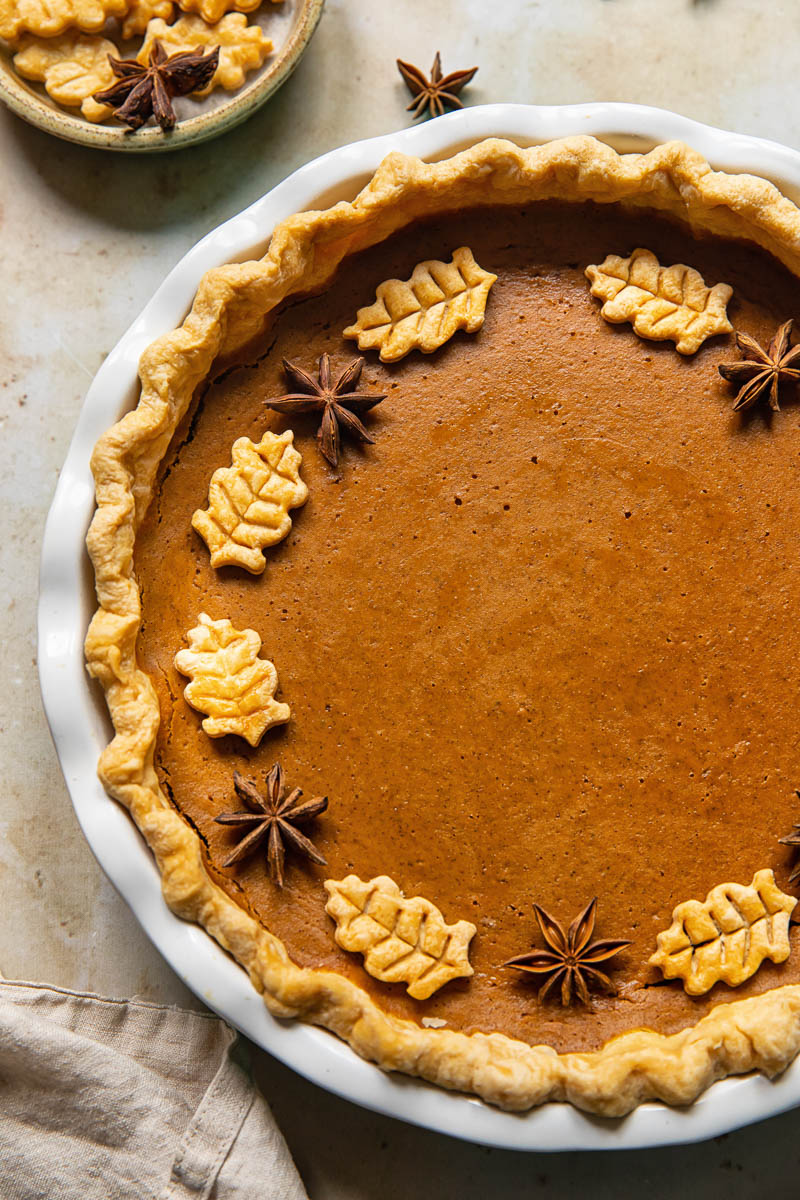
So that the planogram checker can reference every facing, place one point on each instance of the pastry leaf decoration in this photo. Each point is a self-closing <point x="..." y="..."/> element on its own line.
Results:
<point x="249" y="502"/>
<point x="728" y="936"/>
<point x="214" y="10"/>
<point x="72" y="68"/>
<point x="49" y="18"/>
<point x="423" y="312"/>
<point x="242" y="47"/>
<point x="402" y="940"/>
<point x="662" y="303"/>
<point x="230" y="683"/>
<point x="141" y="13"/>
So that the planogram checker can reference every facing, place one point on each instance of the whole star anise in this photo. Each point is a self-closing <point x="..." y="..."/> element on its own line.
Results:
<point x="272" y="816"/>
<point x="571" y="957"/>
<point x="434" y="93"/>
<point x="763" y="371"/>
<point x="793" y="839"/>
<point x="337" y="402"/>
<point x="144" y="91"/>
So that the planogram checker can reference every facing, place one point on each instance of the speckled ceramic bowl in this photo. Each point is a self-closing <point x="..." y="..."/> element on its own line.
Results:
<point x="289" y="25"/>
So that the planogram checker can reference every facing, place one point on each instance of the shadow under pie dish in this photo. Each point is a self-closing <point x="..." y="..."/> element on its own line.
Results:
<point x="523" y="636"/>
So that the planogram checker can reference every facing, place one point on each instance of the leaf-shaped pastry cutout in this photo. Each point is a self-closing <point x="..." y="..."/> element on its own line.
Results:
<point x="249" y="502"/>
<point x="242" y="47"/>
<point x="403" y="941"/>
<point x="662" y="303"/>
<point x="214" y="10"/>
<point x="424" y="311"/>
<point x="142" y="12"/>
<point x="49" y="18"/>
<point x="230" y="682"/>
<point x="72" y="68"/>
<point x="728" y="936"/>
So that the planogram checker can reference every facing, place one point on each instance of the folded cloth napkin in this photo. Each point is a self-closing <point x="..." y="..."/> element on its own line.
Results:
<point x="116" y="1099"/>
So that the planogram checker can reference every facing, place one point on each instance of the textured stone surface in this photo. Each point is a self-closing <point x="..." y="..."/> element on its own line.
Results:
<point x="86" y="238"/>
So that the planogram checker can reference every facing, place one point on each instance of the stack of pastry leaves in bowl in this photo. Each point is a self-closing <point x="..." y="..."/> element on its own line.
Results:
<point x="124" y="64"/>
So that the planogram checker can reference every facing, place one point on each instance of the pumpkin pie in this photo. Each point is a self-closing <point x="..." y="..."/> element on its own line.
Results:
<point x="447" y="581"/>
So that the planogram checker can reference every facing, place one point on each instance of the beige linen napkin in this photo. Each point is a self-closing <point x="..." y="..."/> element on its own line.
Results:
<point x="124" y="1100"/>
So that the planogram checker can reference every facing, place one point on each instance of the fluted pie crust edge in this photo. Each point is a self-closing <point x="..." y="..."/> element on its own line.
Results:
<point x="229" y="310"/>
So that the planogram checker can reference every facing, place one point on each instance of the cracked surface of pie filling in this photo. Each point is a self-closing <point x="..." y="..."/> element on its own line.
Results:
<point x="538" y="640"/>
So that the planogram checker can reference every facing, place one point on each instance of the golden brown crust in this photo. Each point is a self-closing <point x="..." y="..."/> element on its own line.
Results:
<point x="229" y="310"/>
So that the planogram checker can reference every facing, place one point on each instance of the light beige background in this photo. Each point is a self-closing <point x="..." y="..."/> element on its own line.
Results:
<point x="85" y="239"/>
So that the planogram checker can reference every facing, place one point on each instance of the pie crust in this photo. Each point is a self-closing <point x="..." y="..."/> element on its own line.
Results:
<point x="761" y="1032"/>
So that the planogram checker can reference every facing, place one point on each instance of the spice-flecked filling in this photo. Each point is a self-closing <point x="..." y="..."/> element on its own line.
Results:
<point x="539" y="641"/>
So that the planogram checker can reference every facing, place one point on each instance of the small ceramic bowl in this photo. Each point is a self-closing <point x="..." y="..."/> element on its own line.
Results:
<point x="289" y="24"/>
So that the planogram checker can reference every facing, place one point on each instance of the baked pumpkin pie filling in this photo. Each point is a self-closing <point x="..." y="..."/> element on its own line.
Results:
<point x="537" y="639"/>
<point x="446" y="580"/>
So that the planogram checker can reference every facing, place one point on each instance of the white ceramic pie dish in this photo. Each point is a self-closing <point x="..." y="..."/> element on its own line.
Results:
<point x="78" y="717"/>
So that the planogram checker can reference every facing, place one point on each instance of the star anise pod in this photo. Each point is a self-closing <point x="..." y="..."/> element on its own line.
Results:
<point x="434" y="93"/>
<point x="763" y="371"/>
<point x="793" y="839"/>
<point x="274" y="817"/>
<point x="571" y="957"/>
<point x="144" y="91"/>
<point x="337" y="402"/>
